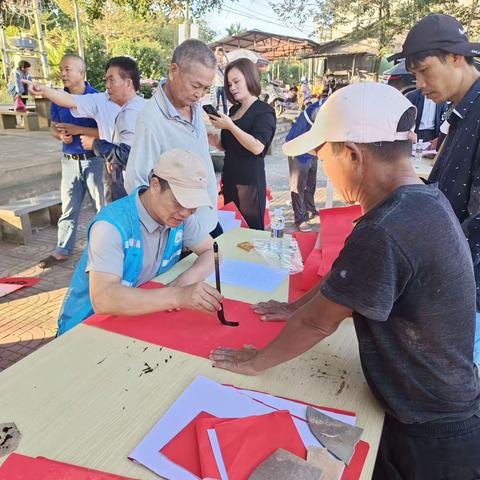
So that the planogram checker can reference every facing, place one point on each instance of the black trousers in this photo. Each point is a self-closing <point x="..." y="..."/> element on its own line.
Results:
<point x="426" y="135"/>
<point x="434" y="451"/>
<point x="249" y="199"/>
<point x="303" y="182"/>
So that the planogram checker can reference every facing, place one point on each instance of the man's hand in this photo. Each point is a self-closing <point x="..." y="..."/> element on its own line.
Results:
<point x="68" y="128"/>
<point x="238" y="361"/>
<point x="34" y="88"/>
<point x="273" y="310"/>
<point x="214" y="140"/>
<point x="66" y="138"/>
<point x="87" y="142"/>
<point x="200" y="296"/>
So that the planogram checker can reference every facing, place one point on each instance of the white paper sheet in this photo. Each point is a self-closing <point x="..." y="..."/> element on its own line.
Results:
<point x="295" y="408"/>
<point x="228" y="221"/>
<point x="250" y="275"/>
<point x="202" y="394"/>
<point x="6" y="288"/>
<point x="221" y="401"/>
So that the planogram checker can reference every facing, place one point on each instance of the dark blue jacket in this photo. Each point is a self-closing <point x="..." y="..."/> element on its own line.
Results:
<point x="417" y="98"/>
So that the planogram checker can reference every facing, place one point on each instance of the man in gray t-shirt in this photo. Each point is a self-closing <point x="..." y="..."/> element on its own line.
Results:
<point x="405" y="275"/>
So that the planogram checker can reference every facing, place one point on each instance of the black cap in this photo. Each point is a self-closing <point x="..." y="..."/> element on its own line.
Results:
<point x="437" y="31"/>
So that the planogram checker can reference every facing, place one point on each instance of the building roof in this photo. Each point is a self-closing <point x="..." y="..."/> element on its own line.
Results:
<point x="270" y="45"/>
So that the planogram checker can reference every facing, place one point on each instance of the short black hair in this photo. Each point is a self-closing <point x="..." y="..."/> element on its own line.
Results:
<point x="389" y="150"/>
<point x="164" y="185"/>
<point x="128" y="69"/>
<point x="415" y="59"/>
<point x="24" y="64"/>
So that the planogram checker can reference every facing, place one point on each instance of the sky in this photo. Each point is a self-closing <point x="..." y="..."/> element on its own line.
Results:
<point x="252" y="14"/>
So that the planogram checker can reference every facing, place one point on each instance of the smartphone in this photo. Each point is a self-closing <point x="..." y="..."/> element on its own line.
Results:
<point x="210" y="110"/>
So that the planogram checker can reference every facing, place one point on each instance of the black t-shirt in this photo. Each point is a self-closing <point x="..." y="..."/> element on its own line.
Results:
<point x="240" y="165"/>
<point x="406" y="272"/>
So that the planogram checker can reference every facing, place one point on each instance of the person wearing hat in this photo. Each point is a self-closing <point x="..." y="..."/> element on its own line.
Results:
<point x="438" y="52"/>
<point x="405" y="276"/>
<point x="140" y="236"/>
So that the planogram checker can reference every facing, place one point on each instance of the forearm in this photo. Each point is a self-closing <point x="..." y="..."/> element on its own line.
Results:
<point x="199" y="271"/>
<point x="54" y="132"/>
<point x="247" y="141"/>
<point x="304" y="299"/>
<point x="91" y="132"/>
<point x="60" y="97"/>
<point x="301" y="333"/>
<point x="116" y="154"/>
<point x="122" y="300"/>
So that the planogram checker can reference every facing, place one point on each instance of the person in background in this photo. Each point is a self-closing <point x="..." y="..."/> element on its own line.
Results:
<point x="303" y="172"/>
<point x="173" y="118"/>
<point x="405" y="275"/>
<point x="22" y="73"/>
<point x="141" y="236"/>
<point x="429" y="116"/>
<point x="245" y="137"/>
<point x="115" y="112"/>
<point x="437" y="51"/>
<point x="82" y="170"/>
<point x="222" y="62"/>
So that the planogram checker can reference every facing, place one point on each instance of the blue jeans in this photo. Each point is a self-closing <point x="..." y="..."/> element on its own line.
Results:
<point x="78" y="177"/>
<point x="476" y="345"/>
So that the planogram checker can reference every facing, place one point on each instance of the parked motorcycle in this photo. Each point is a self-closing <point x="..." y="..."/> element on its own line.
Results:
<point x="273" y="95"/>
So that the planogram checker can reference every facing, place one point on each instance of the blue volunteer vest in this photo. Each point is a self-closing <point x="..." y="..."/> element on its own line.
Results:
<point x="123" y="215"/>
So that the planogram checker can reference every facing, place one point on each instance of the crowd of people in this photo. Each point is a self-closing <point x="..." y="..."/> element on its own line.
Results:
<point x="407" y="274"/>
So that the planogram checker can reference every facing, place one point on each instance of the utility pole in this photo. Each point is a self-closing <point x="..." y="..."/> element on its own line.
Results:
<point x="78" y="26"/>
<point x="41" y="44"/>
<point x="3" y="44"/>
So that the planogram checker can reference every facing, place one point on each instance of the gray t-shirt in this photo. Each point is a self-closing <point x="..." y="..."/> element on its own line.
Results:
<point x="105" y="250"/>
<point x="406" y="272"/>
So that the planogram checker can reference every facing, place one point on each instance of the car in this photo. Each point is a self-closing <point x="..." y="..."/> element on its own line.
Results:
<point x="400" y="78"/>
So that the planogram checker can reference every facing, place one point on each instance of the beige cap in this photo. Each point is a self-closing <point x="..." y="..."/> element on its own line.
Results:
<point x="362" y="113"/>
<point x="186" y="173"/>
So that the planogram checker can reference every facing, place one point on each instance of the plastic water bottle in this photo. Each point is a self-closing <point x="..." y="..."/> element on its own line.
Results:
<point x="418" y="152"/>
<point x="277" y="225"/>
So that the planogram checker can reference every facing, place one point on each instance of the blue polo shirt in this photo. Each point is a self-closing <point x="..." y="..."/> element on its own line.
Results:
<point x="63" y="115"/>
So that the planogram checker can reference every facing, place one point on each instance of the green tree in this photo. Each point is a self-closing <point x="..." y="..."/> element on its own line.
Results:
<point x="234" y="29"/>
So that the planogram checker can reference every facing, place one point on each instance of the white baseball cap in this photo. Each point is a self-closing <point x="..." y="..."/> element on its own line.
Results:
<point x="186" y="173"/>
<point x="362" y="113"/>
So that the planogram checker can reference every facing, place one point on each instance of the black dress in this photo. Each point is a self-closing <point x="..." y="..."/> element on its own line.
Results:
<point x="243" y="174"/>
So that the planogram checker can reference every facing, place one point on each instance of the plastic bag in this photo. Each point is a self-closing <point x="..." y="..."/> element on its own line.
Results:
<point x="280" y="253"/>
<point x="19" y="106"/>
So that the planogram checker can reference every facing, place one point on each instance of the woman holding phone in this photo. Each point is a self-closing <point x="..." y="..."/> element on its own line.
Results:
<point x="246" y="135"/>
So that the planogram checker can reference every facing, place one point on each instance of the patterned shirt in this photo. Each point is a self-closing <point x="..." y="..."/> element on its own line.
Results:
<point x="457" y="170"/>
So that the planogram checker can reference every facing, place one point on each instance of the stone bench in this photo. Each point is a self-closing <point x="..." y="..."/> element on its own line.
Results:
<point x="18" y="218"/>
<point x="8" y="119"/>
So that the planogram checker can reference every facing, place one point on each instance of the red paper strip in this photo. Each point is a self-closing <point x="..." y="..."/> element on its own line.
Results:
<point x="354" y="469"/>
<point x="21" y="467"/>
<point x="193" y="332"/>
<point x="306" y="242"/>
<point x="183" y="449"/>
<point x="246" y="442"/>
<point x="336" y="226"/>
<point x="23" y="281"/>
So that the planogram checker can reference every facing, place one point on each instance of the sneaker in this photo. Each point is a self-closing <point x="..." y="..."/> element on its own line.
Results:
<point x="304" y="227"/>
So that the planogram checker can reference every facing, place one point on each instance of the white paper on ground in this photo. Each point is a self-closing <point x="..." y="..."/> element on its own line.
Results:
<point x="6" y="288"/>
<point x="251" y="275"/>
